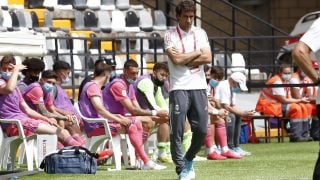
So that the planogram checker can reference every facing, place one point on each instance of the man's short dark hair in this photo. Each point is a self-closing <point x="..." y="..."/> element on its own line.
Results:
<point x="58" y="65"/>
<point x="33" y="65"/>
<point x="130" y="63"/>
<point x="160" y="66"/>
<point x="49" y="74"/>
<point x="206" y="67"/>
<point x="218" y="72"/>
<point x="101" y="68"/>
<point x="185" y="6"/>
<point x="7" y="60"/>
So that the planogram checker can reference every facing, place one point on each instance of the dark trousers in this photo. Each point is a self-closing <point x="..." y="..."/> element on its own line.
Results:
<point x="316" y="172"/>
<point x="233" y="130"/>
<point x="192" y="104"/>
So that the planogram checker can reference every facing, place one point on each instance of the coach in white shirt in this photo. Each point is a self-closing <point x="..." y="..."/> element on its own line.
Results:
<point x="188" y="50"/>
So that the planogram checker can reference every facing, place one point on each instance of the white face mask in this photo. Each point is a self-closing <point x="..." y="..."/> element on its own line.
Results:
<point x="286" y="77"/>
<point x="66" y="80"/>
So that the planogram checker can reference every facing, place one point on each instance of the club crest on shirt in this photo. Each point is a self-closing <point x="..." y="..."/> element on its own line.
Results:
<point x="124" y="93"/>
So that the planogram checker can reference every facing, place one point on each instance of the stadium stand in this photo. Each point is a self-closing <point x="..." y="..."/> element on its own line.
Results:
<point x="33" y="4"/>
<point x="146" y="22"/>
<point x="104" y="21"/>
<point x="160" y="22"/>
<point x="108" y="5"/>
<point x="132" y="22"/>
<point x="118" y="23"/>
<point x="122" y="4"/>
<point x="80" y="5"/>
<point x="94" y="4"/>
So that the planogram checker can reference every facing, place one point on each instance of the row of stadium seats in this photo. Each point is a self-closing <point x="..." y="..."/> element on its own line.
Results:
<point x="83" y="4"/>
<point x="69" y="4"/>
<point x="99" y="21"/>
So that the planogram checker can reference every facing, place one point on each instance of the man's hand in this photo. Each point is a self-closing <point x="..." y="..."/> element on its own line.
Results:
<point x="18" y="67"/>
<point x="160" y="120"/>
<point x="248" y="113"/>
<point x="223" y="113"/>
<point x="162" y="113"/>
<point x="124" y="121"/>
<point x="304" y="100"/>
<point x="52" y="122"/>
<point x="175" y="50"/>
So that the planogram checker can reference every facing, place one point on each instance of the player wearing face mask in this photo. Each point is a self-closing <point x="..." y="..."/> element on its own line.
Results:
<point x="37" y="93"/>
<point x="149" y="96"/>
<point x="119" y="98"/>
<point x="278" y="102"/>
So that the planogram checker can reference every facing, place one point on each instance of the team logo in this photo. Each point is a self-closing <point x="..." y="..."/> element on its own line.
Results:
<point x="176" y="107"/>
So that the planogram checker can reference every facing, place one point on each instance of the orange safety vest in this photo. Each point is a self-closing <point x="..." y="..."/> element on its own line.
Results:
<point x="267" y="103"/>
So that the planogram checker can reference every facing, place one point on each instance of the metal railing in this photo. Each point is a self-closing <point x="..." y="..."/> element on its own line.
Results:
<point x="219" y="46"/>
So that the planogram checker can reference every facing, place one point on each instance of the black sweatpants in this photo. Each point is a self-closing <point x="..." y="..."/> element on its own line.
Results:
<point x="194" y="105"/>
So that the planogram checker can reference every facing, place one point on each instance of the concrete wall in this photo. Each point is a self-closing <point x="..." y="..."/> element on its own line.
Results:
<point x="281" y="13"/>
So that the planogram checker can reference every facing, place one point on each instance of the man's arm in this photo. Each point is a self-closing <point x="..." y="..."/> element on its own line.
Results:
<point x="182" y="58"/>
<point x="285" y="100"/>
<point x="301" y="56"/>
<point x="101" y="110"/>
<point x="134" y="109"/>
<point x="204" y="58"/>
<point x="26" y="109"/>
<point x="12" y="82"/>
<point x="146" y="87"/>
<point x="43" y="110"/>
<point x="237" y="111"/>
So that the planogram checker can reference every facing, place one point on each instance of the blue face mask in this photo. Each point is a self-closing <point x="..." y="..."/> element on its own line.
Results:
<point x="236" y="90"/>
<point x="213" y="83"/>
<point x="130" y="81"/>
<point x="47" y="88"/>
<point x="113" y="74"/>
<point x="6" y="75"/>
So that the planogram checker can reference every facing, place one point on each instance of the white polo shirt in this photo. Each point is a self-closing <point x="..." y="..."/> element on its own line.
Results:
<point x="181" y="76"/>
<point x="223" y="93"/>
<point x="312" y="39"/>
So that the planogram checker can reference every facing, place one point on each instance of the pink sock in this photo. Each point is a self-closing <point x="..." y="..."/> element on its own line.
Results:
<point x="221" y="134"/>
<point x="59" y="145"/>
<point x="80" y="139"/>
<point x="69" y="141"/>
<point x="135" y="135"/>
<point x="208" y="138"/>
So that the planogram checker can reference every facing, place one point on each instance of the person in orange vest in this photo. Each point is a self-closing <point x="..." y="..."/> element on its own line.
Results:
<point x="307" y="92"/>
<point x="277" y="102"/>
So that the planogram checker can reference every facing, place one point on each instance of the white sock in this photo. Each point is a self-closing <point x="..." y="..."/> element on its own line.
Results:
<point x="225" y="149"/>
